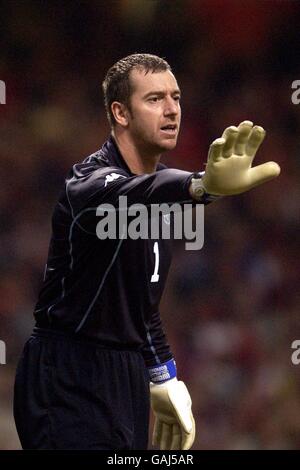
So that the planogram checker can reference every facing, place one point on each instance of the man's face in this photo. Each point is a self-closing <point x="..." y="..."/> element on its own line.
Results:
<point x="155" y="115"/>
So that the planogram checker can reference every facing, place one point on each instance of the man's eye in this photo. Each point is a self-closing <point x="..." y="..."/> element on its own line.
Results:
<point x="154" y="99"/>
<point x="177" y="98"/>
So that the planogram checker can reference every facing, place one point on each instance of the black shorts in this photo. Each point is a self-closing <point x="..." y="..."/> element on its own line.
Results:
<point x="74" y="394"/>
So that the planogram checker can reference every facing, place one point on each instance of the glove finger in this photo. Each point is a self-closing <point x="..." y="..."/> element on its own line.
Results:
<point x="263" y="173"/>
<point x="166" y="436"/>
<point x="188" y="439"/>
<point x="230" y="134"/>
<point x="255" y="139"/>
<point x="157" y="431"/>
<point x="176" y="437"/>
<point x="181" y="401"/>
<point x="244" y="130"/>
<point x="216" y="149"/>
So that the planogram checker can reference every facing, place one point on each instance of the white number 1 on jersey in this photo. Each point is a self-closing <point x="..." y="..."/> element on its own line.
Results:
<point x="155" y="275"/>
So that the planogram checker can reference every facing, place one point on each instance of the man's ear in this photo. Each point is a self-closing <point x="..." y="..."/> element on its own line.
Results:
<point x="120" y="113"/>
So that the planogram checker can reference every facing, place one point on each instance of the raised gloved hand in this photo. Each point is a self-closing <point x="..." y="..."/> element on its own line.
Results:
<point x="229" y="167"/>
<point x="174" y="427"/>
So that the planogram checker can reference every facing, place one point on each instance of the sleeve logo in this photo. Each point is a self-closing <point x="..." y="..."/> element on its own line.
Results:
<point x="112" y="177"/>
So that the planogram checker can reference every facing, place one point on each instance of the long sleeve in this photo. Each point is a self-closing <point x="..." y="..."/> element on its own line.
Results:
<point x="106" y="185"/>
<point x="156" y="349"/>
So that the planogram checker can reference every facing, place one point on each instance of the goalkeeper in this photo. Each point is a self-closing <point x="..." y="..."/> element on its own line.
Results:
<point x="98" y="356"/>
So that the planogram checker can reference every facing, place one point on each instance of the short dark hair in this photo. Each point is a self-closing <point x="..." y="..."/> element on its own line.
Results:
<point x="116" y="85"/>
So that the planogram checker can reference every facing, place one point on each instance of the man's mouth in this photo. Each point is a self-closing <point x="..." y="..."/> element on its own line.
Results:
<point x="169" y="129"/>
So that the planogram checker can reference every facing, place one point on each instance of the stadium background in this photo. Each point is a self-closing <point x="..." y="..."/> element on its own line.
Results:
<point x="231" y="310"/>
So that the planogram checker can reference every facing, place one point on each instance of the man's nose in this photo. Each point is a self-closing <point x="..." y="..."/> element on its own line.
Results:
<point x="171" y="107"/>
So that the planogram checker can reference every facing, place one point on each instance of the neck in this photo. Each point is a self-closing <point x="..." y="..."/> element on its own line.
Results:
<point x="139" y="161"/>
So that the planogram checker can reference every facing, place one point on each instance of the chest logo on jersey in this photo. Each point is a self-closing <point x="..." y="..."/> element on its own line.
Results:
<point x="112" y="177"/>
<point x="167" y="219"/>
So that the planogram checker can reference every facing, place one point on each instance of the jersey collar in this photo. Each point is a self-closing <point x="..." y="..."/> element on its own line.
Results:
<point x="112" y="154"/>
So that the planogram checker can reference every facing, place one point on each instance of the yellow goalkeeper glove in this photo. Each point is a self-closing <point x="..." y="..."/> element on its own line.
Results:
<point x="174" y="427"/>
<point x="229" y="167"/>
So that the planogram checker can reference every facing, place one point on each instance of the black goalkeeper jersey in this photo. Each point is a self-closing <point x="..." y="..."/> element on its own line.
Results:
<point x="109" y="289"/>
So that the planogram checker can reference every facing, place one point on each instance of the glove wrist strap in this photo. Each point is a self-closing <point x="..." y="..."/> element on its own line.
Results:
<point x="198" y="190"/>
<point x="162" y="372"/>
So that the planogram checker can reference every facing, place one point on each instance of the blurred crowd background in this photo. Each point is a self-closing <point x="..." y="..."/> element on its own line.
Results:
<point x="231" y="310"/>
